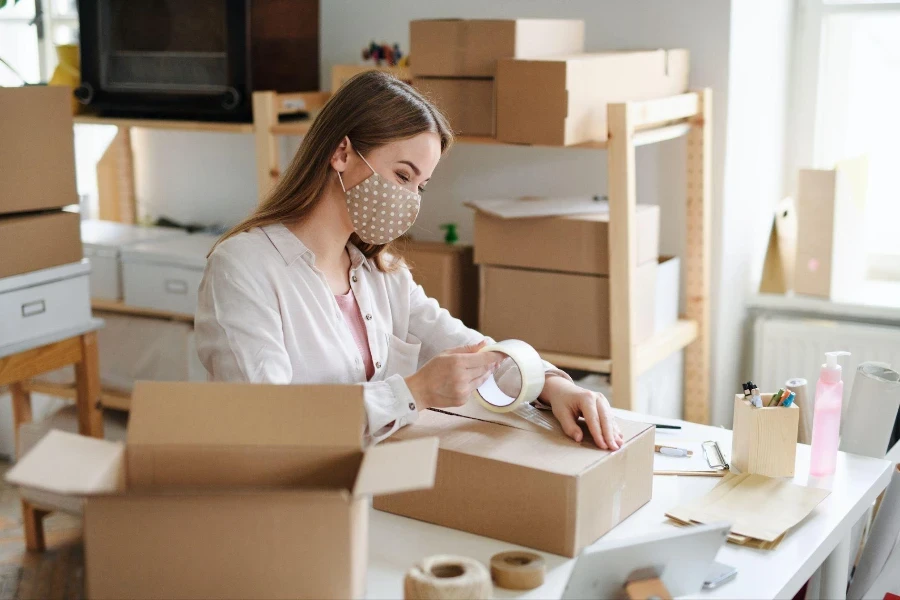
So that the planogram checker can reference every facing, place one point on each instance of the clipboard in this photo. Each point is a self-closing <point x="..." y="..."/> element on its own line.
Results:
<point x="708" y="461"/>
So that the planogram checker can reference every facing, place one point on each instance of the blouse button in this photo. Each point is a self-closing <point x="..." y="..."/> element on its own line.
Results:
<point x="368" y="316"/>
<point x="377" y="365"/>
<point x="354" y="278"/>
<point x="412" y="406"/>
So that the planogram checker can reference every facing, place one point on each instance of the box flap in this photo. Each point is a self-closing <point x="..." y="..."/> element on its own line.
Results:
<point x="529" y="207"/>
<point x="72" y="465"/>
<point x="398" y="467"/>
<point x="250" y="415"/>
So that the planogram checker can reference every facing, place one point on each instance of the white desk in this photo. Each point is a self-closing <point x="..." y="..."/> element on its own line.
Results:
<point x="396" y="543"/>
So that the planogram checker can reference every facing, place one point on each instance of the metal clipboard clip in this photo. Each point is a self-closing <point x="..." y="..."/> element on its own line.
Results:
<point x="714" y="457"/>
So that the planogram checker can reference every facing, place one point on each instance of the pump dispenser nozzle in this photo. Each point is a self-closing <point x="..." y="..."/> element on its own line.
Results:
<point x="831" y="370"/>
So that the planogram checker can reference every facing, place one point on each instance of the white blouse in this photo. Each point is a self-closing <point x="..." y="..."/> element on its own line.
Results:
<point x="266" y="314"/>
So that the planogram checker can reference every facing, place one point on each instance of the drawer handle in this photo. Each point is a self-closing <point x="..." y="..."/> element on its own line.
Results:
<point x="30" y="309"/>
<point x="176" y="286"/>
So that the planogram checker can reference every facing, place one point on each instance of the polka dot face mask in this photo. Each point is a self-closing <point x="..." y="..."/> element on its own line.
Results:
<point x="381" y="211"/>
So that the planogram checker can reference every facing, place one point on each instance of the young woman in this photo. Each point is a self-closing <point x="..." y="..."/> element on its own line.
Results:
<point x="304" y="290"/>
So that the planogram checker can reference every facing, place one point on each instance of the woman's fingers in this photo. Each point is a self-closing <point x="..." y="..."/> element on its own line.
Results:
<point x="569" y="425"/>
<point x="607" y="422"/>
<point x="588" y="405"/>
<point x="480" y="360"/>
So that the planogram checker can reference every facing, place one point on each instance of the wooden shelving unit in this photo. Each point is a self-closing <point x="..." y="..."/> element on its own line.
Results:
<point x="108" y="398"/>
<point x="134" y="311"/>
<point x="631" y="124"/>
<point x="208" y="126"/>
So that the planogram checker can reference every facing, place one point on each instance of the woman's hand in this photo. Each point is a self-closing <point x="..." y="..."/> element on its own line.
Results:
<point x="449" y="378"/>
<point x="569" y="402"/>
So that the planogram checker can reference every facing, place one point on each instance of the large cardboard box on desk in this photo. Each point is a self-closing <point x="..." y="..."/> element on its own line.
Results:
<point x="165" y="275"/>
<point x="31" y="242"/>
<point x="471" y="47"/>
<point x="229" y="491"/>
<point x="37" y="149"/>
<point x="503" y="477"/>
<point x="468" y="104"/>
<point x="559" y="101"/>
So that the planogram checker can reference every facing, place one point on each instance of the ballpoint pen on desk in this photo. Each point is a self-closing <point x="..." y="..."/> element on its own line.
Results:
<point x="673" y="451"/>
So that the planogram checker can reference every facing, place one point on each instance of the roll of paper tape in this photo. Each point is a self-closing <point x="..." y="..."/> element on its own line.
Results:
<point x="445" y="577"/>
<point x="518" y="570"/>
<point x="531" y="370"/>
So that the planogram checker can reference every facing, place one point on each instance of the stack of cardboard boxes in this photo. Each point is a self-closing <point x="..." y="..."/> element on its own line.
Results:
<point x="43" y="281"/>
<point x="454" y="61"/>
<point x="528" y="81"/>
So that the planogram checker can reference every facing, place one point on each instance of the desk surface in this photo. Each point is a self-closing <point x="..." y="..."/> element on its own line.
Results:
<point x="396" y="543"/>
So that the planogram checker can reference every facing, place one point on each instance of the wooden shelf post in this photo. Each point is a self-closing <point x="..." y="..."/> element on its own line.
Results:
<point x="622" y="252"/>
<point x="696" y="260"/>
<point x="268" y="163"/>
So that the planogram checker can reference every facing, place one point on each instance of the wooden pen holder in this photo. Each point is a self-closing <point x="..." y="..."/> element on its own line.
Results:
<point x="764" y="440"/>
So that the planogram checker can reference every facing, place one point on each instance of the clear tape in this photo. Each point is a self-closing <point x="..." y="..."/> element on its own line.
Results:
<point x="533" y="415"/>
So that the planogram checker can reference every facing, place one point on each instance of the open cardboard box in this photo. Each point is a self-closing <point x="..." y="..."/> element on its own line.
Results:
<point x="505" y="477"/>
<point x="229" y="491"/>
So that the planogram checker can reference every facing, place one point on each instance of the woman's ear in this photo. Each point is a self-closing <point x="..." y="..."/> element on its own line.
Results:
<point x="341" y="155"/>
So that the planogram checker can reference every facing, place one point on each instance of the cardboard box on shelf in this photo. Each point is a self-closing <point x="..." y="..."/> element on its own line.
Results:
<point x="467" y="103"/>
<point x="31" y="242"/>
<point x="503" y="477"/>
<point x="38" y="149"/>
<point x="559" y="101"/>
<point x="259" y="491"/>
<point x="560" y="312"/>
<point x="447" y="274"/>
<point x="557" y="234"/>
<point x="471" y="47"/>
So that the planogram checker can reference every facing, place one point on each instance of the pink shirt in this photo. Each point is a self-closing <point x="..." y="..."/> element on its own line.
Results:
<point x="353" y="317"/>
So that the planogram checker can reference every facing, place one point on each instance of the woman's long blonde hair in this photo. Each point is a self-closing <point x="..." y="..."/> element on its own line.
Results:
<point x="371" y="109"/>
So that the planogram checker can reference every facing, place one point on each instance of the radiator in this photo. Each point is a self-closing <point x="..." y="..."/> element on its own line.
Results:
<point x="786" y="347"/>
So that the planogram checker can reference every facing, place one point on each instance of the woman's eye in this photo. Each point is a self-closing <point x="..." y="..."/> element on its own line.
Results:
<point x="403" y="177"/>
<point x="421" y="190"/>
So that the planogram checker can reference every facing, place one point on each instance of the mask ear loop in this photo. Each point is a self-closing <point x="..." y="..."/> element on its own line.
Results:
<point x="365" y="161"/>
<point x="341" y="179"/>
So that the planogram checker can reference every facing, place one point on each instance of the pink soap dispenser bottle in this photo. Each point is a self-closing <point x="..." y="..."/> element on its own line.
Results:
<point x="827" y="417"/>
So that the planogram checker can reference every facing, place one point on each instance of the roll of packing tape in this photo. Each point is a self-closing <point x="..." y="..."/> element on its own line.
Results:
<point x="518" y="570"/>
<point x="445" y="577"/>
<point x="531" y="370"/>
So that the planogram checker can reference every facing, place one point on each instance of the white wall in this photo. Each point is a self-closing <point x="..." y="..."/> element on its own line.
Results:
<point x="210" y="177"/>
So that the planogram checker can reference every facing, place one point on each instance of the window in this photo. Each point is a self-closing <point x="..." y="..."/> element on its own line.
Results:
<point x="847" y="103"/>
<point x="29" y="32"/>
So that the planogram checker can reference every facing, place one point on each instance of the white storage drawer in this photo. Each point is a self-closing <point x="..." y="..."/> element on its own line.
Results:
<point x="103" y="242"/>
<point x="44" y="302"/>
<point x="166" y="275"/>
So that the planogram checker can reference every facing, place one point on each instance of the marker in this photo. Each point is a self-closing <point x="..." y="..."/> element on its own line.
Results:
<point x="776" y="398"/>
<point x="672" y="451"/>
<point x="790" y="400"/>
<point x="757" y="399"/>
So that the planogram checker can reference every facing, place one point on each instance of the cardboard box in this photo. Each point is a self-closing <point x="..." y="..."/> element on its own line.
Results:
<point x="37" y="152"/>
<point x="447" y="274"/>
<point x="229" y="491"/>
<point x="503" y="477"/>
<point x="38" y="241"/>
<point x="567" y="234"/>
<point x="764" y="440"/>
<point x="467" y="103"/>
<point x="560" y="312"/>
<point x="559" y="101"/>
<point x="831" y="260"/>
<point x="472" y="47"/>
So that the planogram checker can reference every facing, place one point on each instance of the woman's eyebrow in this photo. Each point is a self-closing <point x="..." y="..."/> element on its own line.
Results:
<point x="414" y="167"/>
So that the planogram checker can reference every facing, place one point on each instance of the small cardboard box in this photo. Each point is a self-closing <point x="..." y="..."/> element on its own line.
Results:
<point x="557" y="234"/>
<point x="31" y="242"/>
<point x="37" y="152"/>
<point x="467" y="103"/>
<point x="764" y="440"/>
<point x="447" y="274"/>
<point x="560" y="312"/>
<point x="229" y="491"/>
<point x="503" y="477"/>
<point x="559" y="101"/>
<point x="471" y="47"/>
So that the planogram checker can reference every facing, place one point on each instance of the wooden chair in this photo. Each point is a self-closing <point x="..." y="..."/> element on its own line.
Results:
<point x="21" y="362"/>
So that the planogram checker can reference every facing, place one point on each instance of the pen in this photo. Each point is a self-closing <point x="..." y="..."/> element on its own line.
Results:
<point x="661" y="426"/>
<point x="672" y="451"/>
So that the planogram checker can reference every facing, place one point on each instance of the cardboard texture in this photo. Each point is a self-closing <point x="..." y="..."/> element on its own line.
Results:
<point x="759" y="508"/>
<point x="559" y="101"/>
<point x="831" y="261"/>
<point x="560" y="312"/>
<point x="497" y="472"/>
<point x="781" y="251"/>
<point x="521" y="233"/>
<point x="38" y="150"/>
<point x="31" y="242"/>
<point x="471" y="47"/>
<point x="765" y="439"/>
<point x="259" y="491"/>
<point x="448" y="274"/>
<point x="467" y="103"/>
